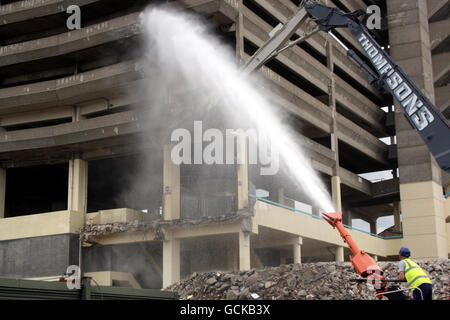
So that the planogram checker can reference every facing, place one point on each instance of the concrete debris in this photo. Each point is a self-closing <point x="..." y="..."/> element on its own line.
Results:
<point x="308" y="281"/>
<point x="92" y="230"/>
<point x="254" y="295"/>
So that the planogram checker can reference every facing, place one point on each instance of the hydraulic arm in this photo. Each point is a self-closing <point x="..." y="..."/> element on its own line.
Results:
<point x="361" y="261"/>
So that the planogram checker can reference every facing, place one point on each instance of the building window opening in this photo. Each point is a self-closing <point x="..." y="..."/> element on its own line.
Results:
<point x="133" y="181"/>
<point x="37" y="189"/>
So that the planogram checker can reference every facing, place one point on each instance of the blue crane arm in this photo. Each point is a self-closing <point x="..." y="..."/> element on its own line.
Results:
<point x="431" y="125"/>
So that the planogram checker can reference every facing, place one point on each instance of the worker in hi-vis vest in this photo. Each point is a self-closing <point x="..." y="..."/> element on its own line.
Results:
<point x="415" y="276"/>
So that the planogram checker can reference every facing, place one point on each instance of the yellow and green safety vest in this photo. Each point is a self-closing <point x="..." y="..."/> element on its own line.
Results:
<point x="415" y="276"/>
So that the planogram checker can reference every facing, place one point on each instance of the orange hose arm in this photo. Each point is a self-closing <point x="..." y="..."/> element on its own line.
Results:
<point x="347" y="238"/>
<point x="362" y="262"/>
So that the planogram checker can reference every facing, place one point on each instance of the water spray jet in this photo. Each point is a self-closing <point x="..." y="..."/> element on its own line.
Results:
<point x="188" y="57"/>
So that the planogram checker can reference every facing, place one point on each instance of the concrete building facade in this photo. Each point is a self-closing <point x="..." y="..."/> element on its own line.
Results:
<point x="77" y="151"/>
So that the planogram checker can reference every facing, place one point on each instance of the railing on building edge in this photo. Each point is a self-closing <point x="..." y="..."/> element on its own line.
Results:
<point x="321" y="218"/>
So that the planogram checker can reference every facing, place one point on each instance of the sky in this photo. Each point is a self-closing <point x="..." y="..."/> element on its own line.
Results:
<point x="382" y="224"/>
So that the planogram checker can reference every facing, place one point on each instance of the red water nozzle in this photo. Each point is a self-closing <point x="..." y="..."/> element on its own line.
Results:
<point x="332" y="217"/>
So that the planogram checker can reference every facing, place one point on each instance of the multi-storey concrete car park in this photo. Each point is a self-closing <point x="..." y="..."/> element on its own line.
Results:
<point x="73" y="138"/>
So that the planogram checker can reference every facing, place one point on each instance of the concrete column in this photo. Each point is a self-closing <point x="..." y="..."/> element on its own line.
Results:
<point x="280" y="195"/>
<point x="240" y="33"/>
<point x="78" y="183"/>
<point x="244" y="251"/>
<point x="2" y="192"/>
<point x="397" y="222"/>
<point x="242" y="175"/>
<point x="375" y="257"/>
<point x="423" y="215"/>
<point x="76" y="114"/>
<point x="332" y="105"/>
<point x="171" y="262"/>
<point x="373" y="226"/>
<point x="348" y="217"/>
<point x="336" y="192"/>
<point x="339" y="254"/>
<point x="171" y="192"/>
<point x="297" y="250"/>
<point x="335" y="180"/>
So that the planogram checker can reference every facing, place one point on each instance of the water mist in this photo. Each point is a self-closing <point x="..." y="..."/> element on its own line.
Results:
<point x="182" y="56"/>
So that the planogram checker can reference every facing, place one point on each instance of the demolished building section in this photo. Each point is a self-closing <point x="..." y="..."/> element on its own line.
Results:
<point x="76" y="157"/>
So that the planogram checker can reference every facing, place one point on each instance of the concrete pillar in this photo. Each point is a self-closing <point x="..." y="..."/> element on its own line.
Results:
<point x="78" y="183"/>
<point x="297" y="250"/>
<point x="375" y="257"/>
<point x="336" y="184"/>
<point x="242" y="175"/>
<point x="335" y="180"/>
<point x="348" y="217"/>
<point x="171" y="192"/>
<point x="240" y="33"/>
<point x="423" y="216"/>
<point x="339" y="254"/>
<point x="336" y="192"/>
<point x="76" y="114"/>
<point x="2" y="192"/>
<point x="423" y="223"/>
<point x="171" y="262"/>
<point x="280" y="195"/>
<point x="373" y="226"/>
<point x="244" y="251"/>
<point x="397" y="222"/>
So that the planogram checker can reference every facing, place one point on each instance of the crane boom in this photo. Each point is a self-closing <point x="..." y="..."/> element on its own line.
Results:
<point x="423" y="116"/>
<point x="271" y="47"/>
<point x="431" y="125"/>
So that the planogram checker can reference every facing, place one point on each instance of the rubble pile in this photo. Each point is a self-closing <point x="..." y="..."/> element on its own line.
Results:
<point x="308" y="281"/>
